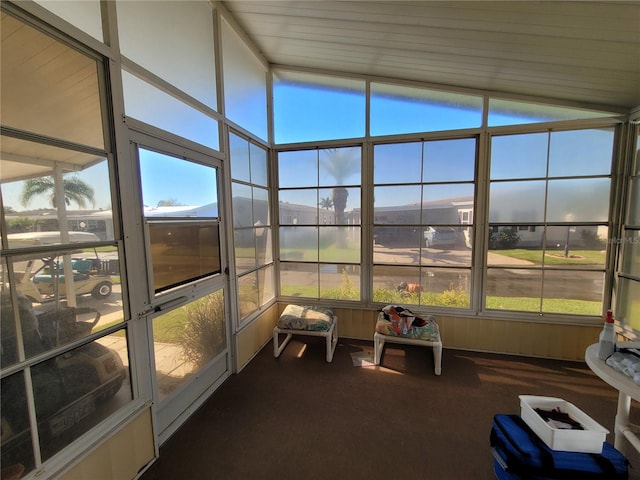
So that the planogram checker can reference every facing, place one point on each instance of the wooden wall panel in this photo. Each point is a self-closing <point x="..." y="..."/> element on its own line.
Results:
<point x="121" y="456"/>
<point x="253" y="337"/>
<point x="508" y="336"/>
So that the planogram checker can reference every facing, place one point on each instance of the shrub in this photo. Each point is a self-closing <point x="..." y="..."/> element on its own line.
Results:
<point x="508" y="238"/>
<point x="203" y="335"/>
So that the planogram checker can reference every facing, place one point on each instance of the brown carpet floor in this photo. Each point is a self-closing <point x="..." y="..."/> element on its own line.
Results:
<point x="298" y="417"/>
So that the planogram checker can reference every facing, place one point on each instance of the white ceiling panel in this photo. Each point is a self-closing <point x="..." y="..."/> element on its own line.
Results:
<point x="585" y="52"/>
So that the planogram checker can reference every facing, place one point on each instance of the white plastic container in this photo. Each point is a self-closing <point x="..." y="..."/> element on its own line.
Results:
<point x="589" y="440"/>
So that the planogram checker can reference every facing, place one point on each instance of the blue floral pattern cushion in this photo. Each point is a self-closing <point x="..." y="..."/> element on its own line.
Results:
<point x="297" y="317"/>
<point x="394" y="320"/>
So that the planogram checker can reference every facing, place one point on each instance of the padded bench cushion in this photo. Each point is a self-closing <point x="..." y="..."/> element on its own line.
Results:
<point x="312" y="318"/>
<point x="396" y="321"/>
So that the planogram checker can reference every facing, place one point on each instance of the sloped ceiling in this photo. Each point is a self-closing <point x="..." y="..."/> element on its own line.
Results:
<point x="585" y="52"/>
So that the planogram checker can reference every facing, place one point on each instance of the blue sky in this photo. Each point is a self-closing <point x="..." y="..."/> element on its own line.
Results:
<point x="305" y="113"/>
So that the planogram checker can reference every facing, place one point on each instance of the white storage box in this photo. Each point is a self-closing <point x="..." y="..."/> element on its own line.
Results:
<point x="589" y="440"/>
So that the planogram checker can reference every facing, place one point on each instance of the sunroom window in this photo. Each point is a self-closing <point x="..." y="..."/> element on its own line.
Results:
<point x="320" y="226"/>
<point x="423" y="222"/>
<point x="558" y="184"/>
<point x="65" y="352"/>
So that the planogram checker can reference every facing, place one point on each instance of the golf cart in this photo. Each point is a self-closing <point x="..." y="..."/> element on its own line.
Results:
<point x="44" y="279"/>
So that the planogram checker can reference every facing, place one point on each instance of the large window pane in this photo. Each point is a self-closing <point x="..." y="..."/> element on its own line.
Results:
<point x="240" y="159"/>
<point x="510" y="112"/>
<point x="399" y="204"/>
<point x="32" y="206"/>
<point x="299" y="279"/>
<point x="245" y="249"/>
<point x="183" y="251"/>
<point x="339" y="166"/>
<point x="572" y="292"/>
<point x="580" y="152"/>
<point x="435" y="229"/>
<point x="578" y="200"/>
<point x="449" y="160"/>
<point x="390" y="157"/>
<point x="174" y="40"/>
<point x="519" y="244"/>
<point x="519" y="156"/>
<point x="252" y="225"/>
<point x="631" y="255"/>
<point x="513" y="289"/>
<point x="266" y="284"/>
<point x="340" y="282"/>
<point x="420" y="110"/>
<point x="339" y="244"/>
<point x="248" y="293"/>
<point x="63" y="296"/>
<point x="78" y="389"/>
<point x="85" y="15"/>
<point x="173" y="186"/>
<point x="396" y="244"/>
<point x="16" y="430"/>
<point x="394" y="284"/>
<point x="47" y="87"/>
<point x="520" y="202"/>
<point x="181" y="218"/>
<point x="315" y="107"/>
<point x="444" y="203"/>
<point x="444" y="287"/>
<point x="633" y="204"/>
<point x="446" y="246"/>
<point x="299" y="243"/>
<point x="149" y="104"/>
<point x="628" y="307"/>
<point x="242" y="205"/>
<point x="300" y="207"/>
<point x="298" y="169"/>
<point x="258" y="165"/>
<point x="260" y="206"/>
<point x="186" y="339"/>
<point x="245" y="84"/>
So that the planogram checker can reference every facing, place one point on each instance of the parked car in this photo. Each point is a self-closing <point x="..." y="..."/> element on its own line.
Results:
<point x="69" y="387"/>
<point x="439" y="237"/>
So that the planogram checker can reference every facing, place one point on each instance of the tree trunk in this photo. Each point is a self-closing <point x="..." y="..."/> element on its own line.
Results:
<point x="340" y="195"/>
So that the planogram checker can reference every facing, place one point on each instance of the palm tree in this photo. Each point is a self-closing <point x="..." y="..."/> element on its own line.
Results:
<point x="340" y="163"/>
<point x="326" y="203"/>
<point x="75" y="190"/>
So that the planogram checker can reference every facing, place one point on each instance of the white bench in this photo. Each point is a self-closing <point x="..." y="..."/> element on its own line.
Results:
<point x="294" y="321"/>
<point x="379" y="340"/>
<point x="397" y="324"/>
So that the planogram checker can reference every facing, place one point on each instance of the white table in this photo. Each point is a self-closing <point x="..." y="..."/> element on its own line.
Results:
<point x="627" y="389"/>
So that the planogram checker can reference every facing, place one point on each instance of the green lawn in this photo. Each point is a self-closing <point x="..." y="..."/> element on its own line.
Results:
<point x="327" y="254"/>
<point x="166" y="328"/>
<point x="556" y="257"/>
<point x="453" y="298"/>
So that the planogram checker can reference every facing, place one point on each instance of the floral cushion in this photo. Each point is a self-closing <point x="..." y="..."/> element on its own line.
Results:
<point x="394" y="320"/>
<point x="297" y="317"/>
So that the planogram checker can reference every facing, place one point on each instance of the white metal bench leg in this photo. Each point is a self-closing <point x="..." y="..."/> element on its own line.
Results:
<point x="378" y="346"/>
<point x="332" y="340"/>
<point x="379" y="341"/>
<point x="437" y="357"/>
<point x="277" y="349"/>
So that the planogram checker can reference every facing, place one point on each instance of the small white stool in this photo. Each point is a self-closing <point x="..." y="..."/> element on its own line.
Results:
<point x="331" y="337"/>
<point x="379" y="340"/>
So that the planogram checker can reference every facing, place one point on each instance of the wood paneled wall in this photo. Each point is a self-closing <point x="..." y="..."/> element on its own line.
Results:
<point x="547" y="340"/>
<point x="121" y="456"/>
